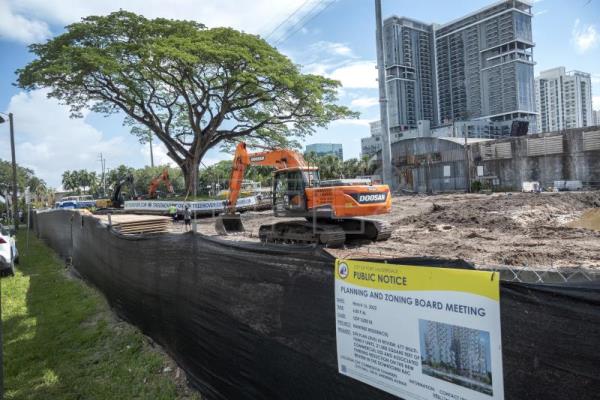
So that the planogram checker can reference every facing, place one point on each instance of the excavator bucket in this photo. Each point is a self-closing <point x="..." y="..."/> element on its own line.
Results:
<point x="226" y="224"/>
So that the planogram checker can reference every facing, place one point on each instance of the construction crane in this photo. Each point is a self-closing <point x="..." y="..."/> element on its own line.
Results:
<point x="163" y="177"/>
<point x="331" y="209"/>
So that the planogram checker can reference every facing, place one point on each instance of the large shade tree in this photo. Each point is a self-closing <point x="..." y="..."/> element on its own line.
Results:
<point x="192" y="87"/>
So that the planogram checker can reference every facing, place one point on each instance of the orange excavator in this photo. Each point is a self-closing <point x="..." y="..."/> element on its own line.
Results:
<point x="163" y="177"/>
<point x="331" y="210"/>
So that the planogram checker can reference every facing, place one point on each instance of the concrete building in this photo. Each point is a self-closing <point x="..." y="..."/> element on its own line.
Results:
<point x="479" y="66"/>
<point x="437" y="164"/>
<point x="564" y="100"/>
<point x="474" y="129"/>
<point x="485" y="64"/>
<point x="409" y="63"/>
<point x="323" y="149"/>
<point x="596" y="117"/>
<point x="369" y="146"/>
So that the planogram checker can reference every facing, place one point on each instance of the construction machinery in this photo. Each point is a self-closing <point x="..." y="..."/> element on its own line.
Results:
<point x="163" y="177"/>
<point x="117" y="200"/>
<point x="331" y="210"/>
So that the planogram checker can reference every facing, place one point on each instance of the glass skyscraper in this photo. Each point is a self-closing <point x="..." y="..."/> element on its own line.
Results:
<point x="479" y="66"/>
<point x="323" y="149"/>
<point x="409" y="72"/>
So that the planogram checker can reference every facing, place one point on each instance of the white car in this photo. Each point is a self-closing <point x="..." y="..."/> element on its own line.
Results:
<point x="8" y="252"/>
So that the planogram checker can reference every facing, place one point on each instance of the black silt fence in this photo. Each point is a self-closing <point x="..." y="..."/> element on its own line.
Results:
<point x="249" y="321"/>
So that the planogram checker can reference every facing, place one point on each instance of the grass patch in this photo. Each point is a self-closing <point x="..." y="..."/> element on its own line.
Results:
<point x="61" y="340"/>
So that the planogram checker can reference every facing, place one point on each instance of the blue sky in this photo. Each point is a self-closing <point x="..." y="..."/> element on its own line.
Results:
<point x="337" y="41"/>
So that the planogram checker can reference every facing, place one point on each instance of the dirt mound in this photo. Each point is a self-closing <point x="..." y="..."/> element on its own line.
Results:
<point x="515" y="229"/>
<point x="506" y="212"/>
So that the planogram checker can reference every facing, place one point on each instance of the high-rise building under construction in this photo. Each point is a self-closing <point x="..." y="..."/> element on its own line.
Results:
<point x="479" y="66"/>
<point x="409" y="72"/>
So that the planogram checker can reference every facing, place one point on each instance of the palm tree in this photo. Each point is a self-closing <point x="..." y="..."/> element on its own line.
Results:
<point x="330" y="167"/>
<point x="69" y="180"/>
<point x="351" y="168"/>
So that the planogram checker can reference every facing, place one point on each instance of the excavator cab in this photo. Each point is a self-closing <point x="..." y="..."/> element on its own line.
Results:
<point x="289" y="194"/>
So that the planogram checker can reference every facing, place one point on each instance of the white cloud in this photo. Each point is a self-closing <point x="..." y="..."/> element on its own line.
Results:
<point x="17" y="27"/>
<point x="32" y="17"/>
<point x="358" y="74"/>
<point x="541" y="12"/>
<point x="584" y="37"/>
<point x="336" y="61"/>
<point x="325" y="48"/>
<point x="50" y="142"/>
<point x="364" y="102"/>
<point x="595" y="78"/>
<point x="214" y="156"/>
<point x="159" y="153"/>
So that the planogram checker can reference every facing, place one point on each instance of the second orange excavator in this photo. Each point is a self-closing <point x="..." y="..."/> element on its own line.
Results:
<point x="331" y="210"/>
<point x="163" y="177"/>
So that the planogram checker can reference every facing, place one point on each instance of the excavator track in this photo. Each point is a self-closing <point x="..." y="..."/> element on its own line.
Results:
<point x="384" y="230"/>
<point x="366" y="229"/>
<point x="329" y="235"/>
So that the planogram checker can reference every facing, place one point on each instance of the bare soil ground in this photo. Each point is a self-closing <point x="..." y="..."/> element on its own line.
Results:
<point x="515" y="229"/>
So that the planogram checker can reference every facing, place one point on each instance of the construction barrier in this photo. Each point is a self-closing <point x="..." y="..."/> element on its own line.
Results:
<point x="200" y="206"/>
<point x="253" y="321"/>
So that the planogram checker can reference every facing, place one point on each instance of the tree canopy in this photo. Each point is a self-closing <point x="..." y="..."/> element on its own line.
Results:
<point x="25" y="179"/>
<point x="193" y="88"/>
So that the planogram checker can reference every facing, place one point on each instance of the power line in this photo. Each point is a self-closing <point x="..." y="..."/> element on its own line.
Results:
<point x="288" y="18"/>
<point x="305" y="20"/>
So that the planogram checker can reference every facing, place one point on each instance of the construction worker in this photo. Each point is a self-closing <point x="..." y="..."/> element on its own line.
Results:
<point x="187" y="217"/>
<point x="173" y="212"/>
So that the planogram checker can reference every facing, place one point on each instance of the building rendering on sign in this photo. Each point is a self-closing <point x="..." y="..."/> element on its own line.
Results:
<point x="455" y="352"/>
<point x="596" y="117"/>
<point x="564" y="100"/>
<point x="479" y="66"/>
<point x="323" y="149"/>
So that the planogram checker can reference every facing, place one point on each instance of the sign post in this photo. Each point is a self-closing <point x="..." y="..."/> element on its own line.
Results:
<point x="420" y="333"/>
<point x="28" y="205"/>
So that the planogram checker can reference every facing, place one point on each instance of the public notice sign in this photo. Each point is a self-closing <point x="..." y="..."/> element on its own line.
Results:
<point x="419" y="332"/>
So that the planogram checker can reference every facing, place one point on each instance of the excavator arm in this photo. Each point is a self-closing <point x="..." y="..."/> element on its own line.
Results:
<point x="117" y="198"/>
<point x="277" y="158"/>
<point x="163" y="177"/>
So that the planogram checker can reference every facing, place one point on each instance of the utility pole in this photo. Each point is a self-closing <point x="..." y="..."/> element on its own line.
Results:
<point x="16" y="225"/>
<point x="386" y="151"/>
<point x="14" y="171"/>
<point x="103" y="164"/>
<point x="467" y="162"/>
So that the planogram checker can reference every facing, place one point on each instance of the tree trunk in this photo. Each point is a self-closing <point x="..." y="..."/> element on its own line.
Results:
<point x="189" y="168"/>
<point x="190" y="173"/>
